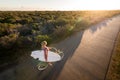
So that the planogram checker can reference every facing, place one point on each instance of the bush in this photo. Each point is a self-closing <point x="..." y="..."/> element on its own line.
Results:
<point x="61" y="21"/>
<point x="24" y="42"/>
<point x="62" y="32"/>
<point x="59" y="32"/>
<point x="25" y="30"/>
<point x="81" y="25"/>
<point x="8" y="41"/>
<point x="6" y="29"/>
<point x="40" y="38"/>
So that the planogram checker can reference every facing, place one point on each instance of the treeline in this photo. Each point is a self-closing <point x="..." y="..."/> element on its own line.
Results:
<point x="19" y="29"/>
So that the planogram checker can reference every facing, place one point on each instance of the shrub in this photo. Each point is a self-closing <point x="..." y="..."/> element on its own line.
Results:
<point x="59" y="32"/>
<point x="61" y="21"/>
<point x="25" y="30"/>
<point x="24" y="42"/>
<point x="8" y="41"/>
<point x="62" y="31"/>
<point x="40" y="38"/>
<point x="81" y="25"/>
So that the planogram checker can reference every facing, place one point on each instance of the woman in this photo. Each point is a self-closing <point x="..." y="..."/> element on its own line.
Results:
<point x="46" y="49"/>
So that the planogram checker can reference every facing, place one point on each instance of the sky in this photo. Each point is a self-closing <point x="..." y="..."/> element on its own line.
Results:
<point x="59" y="5"/>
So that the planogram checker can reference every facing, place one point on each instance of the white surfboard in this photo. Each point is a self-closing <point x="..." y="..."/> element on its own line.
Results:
<point x="52" y="56"/>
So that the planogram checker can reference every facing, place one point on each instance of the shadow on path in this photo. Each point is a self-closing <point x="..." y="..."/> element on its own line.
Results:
<point x="68" y="46"/>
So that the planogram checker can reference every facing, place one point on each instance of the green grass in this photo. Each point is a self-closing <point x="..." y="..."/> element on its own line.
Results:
<point x="114" y="69"/>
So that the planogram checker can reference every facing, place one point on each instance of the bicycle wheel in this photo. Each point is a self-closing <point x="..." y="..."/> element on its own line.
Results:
<point x="42" y="65"/>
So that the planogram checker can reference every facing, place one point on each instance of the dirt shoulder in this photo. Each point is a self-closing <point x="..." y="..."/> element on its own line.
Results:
<point x="114" y="68"/>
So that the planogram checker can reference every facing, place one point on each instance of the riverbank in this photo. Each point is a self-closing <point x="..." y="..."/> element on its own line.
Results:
<point x="114" y="68"/>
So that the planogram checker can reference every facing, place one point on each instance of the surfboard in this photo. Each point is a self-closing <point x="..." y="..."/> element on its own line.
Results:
<point x="52" y="56"/>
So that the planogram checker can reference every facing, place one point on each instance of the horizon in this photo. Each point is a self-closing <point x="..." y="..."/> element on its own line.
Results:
<point x="54" y="10"/>
<point x="56" y="5"/>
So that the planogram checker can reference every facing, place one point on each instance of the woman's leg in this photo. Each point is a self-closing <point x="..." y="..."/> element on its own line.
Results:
<point x="46" y="56"/>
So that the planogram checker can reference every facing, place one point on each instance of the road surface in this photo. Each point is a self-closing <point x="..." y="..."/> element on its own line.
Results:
<point x="91" y="59"/>
<point x="87" y="56"/>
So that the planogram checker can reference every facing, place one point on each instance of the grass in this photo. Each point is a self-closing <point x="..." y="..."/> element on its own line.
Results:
<point x="114" y="68"/>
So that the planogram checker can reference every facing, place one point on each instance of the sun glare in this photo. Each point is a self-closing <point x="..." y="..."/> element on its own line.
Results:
<point x="60" y="5"/>
<point x="93" y="5"/>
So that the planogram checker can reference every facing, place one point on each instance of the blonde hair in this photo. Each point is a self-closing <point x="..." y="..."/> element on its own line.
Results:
<point x="44" y="43"/>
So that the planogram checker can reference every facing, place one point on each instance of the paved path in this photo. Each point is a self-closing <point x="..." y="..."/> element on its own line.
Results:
<point x="91" y="58"/>
<point x="86" y="57"/>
